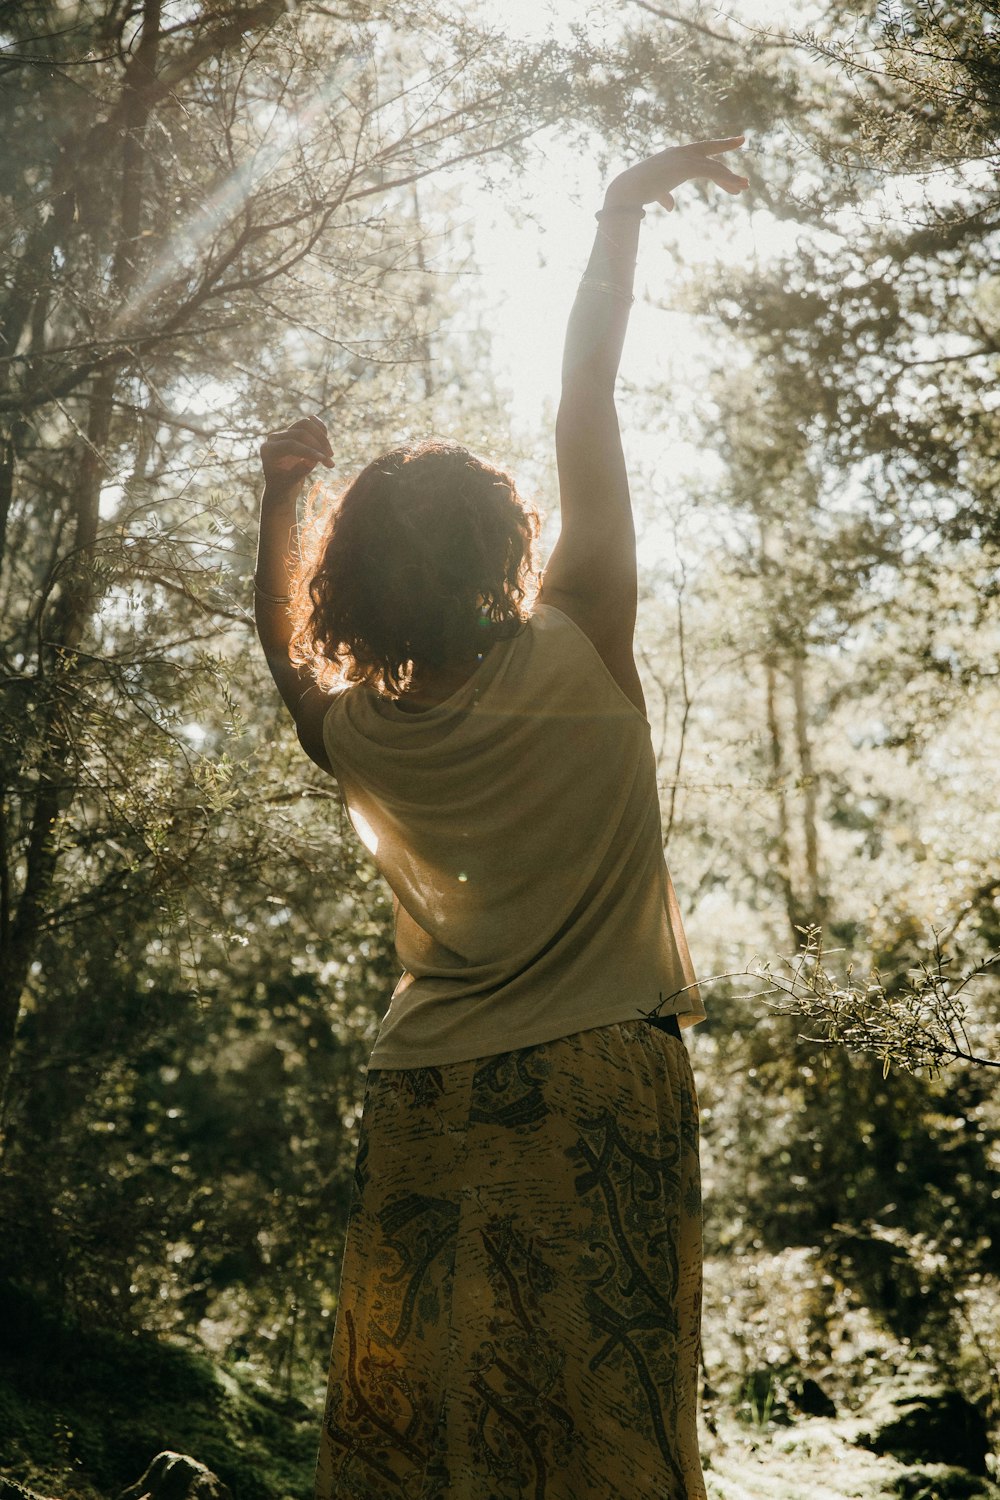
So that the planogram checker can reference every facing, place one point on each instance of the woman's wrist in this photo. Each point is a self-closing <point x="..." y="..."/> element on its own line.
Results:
<point x="278" y="492"/>
<point x="621" y="195"/>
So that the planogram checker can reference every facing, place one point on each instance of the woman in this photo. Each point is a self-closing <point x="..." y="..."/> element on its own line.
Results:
<point x="519" y="1311"/>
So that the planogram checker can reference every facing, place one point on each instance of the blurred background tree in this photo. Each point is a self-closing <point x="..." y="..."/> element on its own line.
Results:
<point x="212" y="218"/>
<point x="827" y="648"/>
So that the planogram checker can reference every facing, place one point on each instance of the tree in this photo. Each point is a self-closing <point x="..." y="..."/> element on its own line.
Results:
<point x="826" y="645"/>
<point x="195" y="192"/>
<point x="854" y="526"/>
<point x="216" y="213"/>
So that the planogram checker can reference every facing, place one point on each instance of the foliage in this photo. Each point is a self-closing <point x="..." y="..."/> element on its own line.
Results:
<point x="199" y="1178"/>
<point x="929" y="79"/>
<point x="89" y="1409"/>
<point x="213" y="216"/>
<point x="179" y="229"/>
<point x="219" y="213"/>
<point x="832" y="652"/>
<point x="920" y="1022"/>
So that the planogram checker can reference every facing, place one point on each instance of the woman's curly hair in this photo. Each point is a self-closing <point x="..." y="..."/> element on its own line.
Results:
<point x="427" y="552"/>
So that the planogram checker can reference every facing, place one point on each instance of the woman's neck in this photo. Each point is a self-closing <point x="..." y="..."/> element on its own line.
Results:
<point x="429" y="685"/>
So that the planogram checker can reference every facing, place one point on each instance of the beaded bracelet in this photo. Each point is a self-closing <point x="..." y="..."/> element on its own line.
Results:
<point x="271" y="598"/>
<point x="605" y="286"/>
<point x="622" y="208"/>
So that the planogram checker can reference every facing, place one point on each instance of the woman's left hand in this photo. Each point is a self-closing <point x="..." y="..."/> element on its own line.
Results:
<point x="288" y="455"/>
<point x="653" y="180"/>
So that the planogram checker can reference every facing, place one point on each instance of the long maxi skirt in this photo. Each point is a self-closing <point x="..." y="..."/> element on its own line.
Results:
<point x="519" y="1312"/>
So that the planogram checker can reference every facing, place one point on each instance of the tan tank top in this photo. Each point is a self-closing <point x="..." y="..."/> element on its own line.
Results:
<point x="518" y="827"/>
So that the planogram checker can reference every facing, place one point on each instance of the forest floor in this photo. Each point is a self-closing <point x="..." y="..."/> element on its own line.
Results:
<point x="818" y="1459"/>
<point x="82" y="1414"/>
<point x="815" y="1459"/>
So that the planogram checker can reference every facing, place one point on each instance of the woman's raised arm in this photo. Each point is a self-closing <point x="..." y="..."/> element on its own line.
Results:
<point x="287" y="457"/>
<point x="591" y="574"/>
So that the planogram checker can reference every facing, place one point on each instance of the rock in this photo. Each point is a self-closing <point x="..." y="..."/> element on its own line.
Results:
<point x="9" y="1490"/>
<point x="770" y="1393"/>
<point x="884" y="1274"/>
<point x="809" y="1397"/>
<point x="938" y="1482"/>
<point x="940" y="1427"/>
<point x="175" y="1476"/>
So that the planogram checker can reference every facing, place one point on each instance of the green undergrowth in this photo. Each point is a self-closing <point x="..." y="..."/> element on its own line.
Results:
<point x="82" y="1413"/>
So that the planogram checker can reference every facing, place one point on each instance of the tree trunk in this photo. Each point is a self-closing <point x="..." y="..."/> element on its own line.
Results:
<point x="68" y="621"/>
<point x="814" y="903"/>
<point x="64" y="628"/>
<point x="782" y="856"/>
<point x="424" y="299"/>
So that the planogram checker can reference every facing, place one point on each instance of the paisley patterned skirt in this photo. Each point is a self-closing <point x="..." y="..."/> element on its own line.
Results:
<point x="519" y="1313"/>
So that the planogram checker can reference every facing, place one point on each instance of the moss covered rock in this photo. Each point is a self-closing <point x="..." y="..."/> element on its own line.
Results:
<point x="931" y="1427"/>
<point x="175" y="1476"/>
<point x="939" y="1482"/>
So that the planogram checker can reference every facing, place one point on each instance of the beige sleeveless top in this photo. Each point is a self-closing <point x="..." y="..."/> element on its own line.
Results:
<point x="518" y="827"/>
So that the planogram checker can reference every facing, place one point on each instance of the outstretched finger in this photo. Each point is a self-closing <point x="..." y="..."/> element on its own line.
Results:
<point x="732" y="183"/>
<point x="711" y="148"/>
<point x="723" y="177"/>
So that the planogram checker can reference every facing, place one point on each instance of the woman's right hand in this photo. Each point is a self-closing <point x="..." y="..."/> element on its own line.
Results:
<point x="654" y="180"/>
